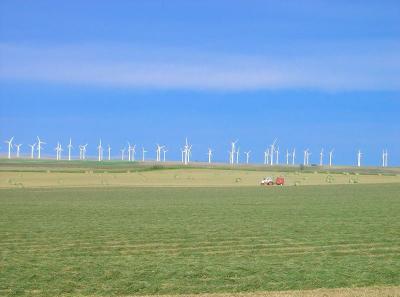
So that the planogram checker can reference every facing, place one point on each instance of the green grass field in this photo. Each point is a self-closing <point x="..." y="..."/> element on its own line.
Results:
<point x="121" y="241"/>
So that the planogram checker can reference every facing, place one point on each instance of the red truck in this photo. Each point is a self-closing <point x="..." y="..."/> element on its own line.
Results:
<point x="268" y="181"/>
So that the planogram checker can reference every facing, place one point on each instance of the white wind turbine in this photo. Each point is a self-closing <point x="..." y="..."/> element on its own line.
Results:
<point x="232" y="152"/>
<point x="129" y="151"/>
<point x="84" y="151"/>
<point x="272" y="151"/>
<point x="384" y="158"/>
<point x="359" y="154"/>
<point x="32" y="149"/>
<point x="158" y="152"/>
<point x="237" y="155"/>
<point x="61" y="149"/>
<point x="133" y="149"/>
<point x="306" y="157"/>
<point x="69" y="149"/>
<point x="331" y="157"/>
<point x="321" y="157"/>
<point x="186" y="152"/>
<point x="210" y="153"/>
<point x="58" y="150"/>
<point x="287" y="157"/>
<point x="247" y="156"/>
<point x="182" y="155"/>
<point x="109" y="152"/>
<point x="123" y="154"/>
<point x="293" y="156"/>
<point x="164" y="152"/>
<point x="100" y="151"/>
<point x="10" y="145"/>
<point x="277" y="156"/>
<point x="18" y="146"/>
<point x="266" y="157"/>
<point x="39" y="146"/>
<point x="143" y="154"/>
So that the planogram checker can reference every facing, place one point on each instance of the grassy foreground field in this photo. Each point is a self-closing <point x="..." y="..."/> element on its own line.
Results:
<point x="131" y="241"/>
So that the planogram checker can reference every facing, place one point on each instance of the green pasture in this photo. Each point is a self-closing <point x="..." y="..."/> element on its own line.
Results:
<point x="130" y="241"/>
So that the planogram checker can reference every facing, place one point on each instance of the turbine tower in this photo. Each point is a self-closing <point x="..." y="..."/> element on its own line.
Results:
<point x="10" y="145"/>
<point x="237" y="155"/>
<point x="69" y="149"/>
<point x="109" y="152"/>
<point x="39" y="146"/>
<point x="277" y="156"/>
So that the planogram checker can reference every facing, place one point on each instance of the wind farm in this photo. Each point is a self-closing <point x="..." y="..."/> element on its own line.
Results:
<point x="199" y="148"/>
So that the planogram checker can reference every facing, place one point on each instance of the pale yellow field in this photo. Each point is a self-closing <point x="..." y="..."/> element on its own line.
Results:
<point x="181" y="177"/>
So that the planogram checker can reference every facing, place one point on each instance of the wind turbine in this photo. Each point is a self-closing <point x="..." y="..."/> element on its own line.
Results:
<point x="182" y="155"/>
<point x="122" y="154"/>
<point x="266" y="157"/>
<point x="186" y="152"/>
<point x="237" y="155"/>
<point x="210" y="153"/>
<point x="308" y="157"/>
<point x="293" y="156"/>
<point x="164" y="152"/>
<point x="133" y="148"/>
<point x="232" y="152"/>
<point x="84" y="151"/>
<point x="69" y="149"/>
<point x="305" y="159"/>
<point x="39" y="146"/>
<point x="109" y="152"/>
<point x="287" y="157"/>
<point x="321" y="157"/>
<point x="247" y="156"/>
<point x="32" y="149"/>
<point x="18" y="148"/>
<point x="359" y="154"/>
<point x="58" y="151"/>
<point x="9" y="142"/>
<point x="272" y="150"/>
<point x="100" y="151"/>
<point x="331" y="157"/>
<point x="384" y="158"/>
<point x="143" y="153"/>
<point x="158" y="152"/>
<point x="129" y="151"/>
<point x="277" y="155"/>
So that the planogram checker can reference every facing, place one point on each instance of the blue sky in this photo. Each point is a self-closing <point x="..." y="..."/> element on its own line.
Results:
<point x="311" y="73"/>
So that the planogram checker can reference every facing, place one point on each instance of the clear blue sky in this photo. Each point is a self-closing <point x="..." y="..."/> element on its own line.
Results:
<point x="311" y="73"/>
